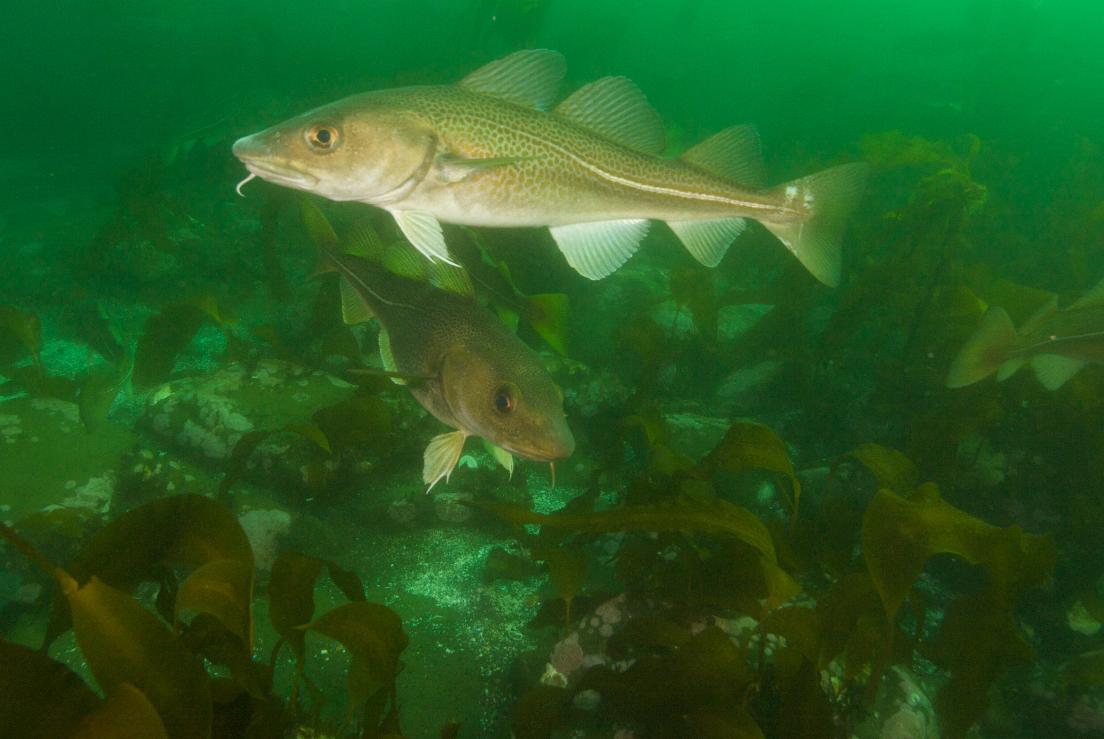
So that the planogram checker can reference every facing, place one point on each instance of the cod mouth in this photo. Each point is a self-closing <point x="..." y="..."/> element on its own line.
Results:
<point x="546" y="453"/>
<point x="280" y="174"/>
<point x="263" y="164"/>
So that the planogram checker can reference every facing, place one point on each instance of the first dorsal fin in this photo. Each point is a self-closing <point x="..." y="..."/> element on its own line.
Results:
<point x="734" y="154"/>
<point x="530" y="77"/>
<point x="401" y="259"/>
<point x="616" y="108"/>
<point x="364" y="241"/>
<point x="1094" y="296"/>
<point x="451" y="279"/>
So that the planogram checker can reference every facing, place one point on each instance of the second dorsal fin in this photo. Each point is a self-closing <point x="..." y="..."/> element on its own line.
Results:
<point x="616" y="108"/>
<point x="734" y="154"/>
<point x="530" y="77"/>
<point x="353" y="308"/>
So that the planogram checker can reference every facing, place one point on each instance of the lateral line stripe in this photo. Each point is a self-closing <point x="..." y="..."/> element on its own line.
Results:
<point x="641" y="186"/>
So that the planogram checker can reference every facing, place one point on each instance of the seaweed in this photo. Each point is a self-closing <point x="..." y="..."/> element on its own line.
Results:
<point x="24" y="328"/>
<point x="151" y="663"/>
<point x="166" y="334"/>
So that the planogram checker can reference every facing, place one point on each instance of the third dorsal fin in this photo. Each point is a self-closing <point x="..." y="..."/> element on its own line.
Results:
<point x="530" y="77"/>
<point x="734" y="154"/>
<point x="617" y="109"/>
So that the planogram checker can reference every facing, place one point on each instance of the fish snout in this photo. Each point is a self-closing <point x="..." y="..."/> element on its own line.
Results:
<point x="562" y="444"/>
<point x="248" y="147"/>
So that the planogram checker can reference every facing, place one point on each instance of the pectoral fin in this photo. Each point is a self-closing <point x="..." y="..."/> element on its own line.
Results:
<point x="501" y="456"/>
<point x="441" y="457"/>
<point x="450" y="168"/>
<point x="387" y="359"/>
<point x="423" y="231"/>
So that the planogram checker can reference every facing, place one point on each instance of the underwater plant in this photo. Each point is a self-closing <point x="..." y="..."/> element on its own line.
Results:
<point x="749" y="635"/>
<point x="187" y="667"/>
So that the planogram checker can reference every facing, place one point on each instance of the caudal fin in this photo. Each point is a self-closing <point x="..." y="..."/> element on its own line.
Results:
<point x="986" y="351"/>
<point x="830" y="196"/>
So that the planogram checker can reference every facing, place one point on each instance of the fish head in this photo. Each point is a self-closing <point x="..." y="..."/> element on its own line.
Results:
<point x="510" y="400"/>
<point x="363" y="148"/>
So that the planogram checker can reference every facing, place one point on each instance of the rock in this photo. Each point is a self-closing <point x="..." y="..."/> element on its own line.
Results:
<point x="902" y="710"/>
<point x="693" y="434"/>
<point x="48" y="459"/>
<point x="265" y="530"/>
<point x="746" y="387"/>
<point x="450" y="508"/>
<point x="204" y="417"/>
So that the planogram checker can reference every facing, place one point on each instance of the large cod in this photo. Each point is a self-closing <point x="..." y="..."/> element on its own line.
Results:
<point x="488" y="152"/>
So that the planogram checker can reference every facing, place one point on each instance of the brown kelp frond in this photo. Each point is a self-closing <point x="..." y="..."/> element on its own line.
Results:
<point x="152" y="665"/>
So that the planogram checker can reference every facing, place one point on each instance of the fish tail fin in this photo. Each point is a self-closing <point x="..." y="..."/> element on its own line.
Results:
<point x="986" y="351"/>
<point x="549" y="319"/>
<point x="830" y="197"/>
<point x="1054" y="370"/>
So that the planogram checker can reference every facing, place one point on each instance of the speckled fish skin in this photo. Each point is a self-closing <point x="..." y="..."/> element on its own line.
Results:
<point x="470" y="154"/>
<point x="564" y="173"/>
<point x="469" y="354"/>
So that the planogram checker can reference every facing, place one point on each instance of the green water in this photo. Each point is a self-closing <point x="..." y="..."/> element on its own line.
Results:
<point x="746" y="512"/>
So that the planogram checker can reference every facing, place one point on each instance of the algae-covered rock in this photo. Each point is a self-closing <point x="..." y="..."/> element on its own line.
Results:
<point x="694" y="434"/>
<point x="205" y="416"/>
<point x="902" y="710"/>
<point x="48" y="459"/>
<point x="274" y="423"/>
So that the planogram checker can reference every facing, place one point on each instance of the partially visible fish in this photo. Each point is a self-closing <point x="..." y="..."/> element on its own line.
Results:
<point x="1057" y="343"/>
<point x="456" y="357"/>
<point x="485" y="152"/>
<point x="546" y="313"/>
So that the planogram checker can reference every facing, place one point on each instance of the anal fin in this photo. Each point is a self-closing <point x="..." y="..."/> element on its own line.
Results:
<point x="594" y="250"/>
<point x="441" y="456"/>
<point x="707" y="241"/>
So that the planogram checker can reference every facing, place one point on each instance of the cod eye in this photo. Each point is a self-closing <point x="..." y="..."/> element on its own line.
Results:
<point x="322" y="138"/>
<point x="504" y="400"/>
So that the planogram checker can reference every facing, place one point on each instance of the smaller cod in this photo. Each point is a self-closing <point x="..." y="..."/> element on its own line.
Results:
<point x="456" y="357"/>
<point x="1057" y="343"/>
